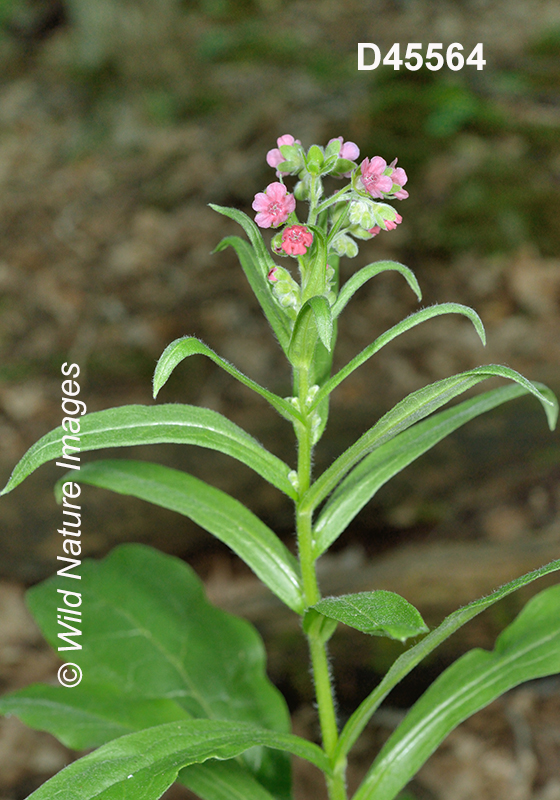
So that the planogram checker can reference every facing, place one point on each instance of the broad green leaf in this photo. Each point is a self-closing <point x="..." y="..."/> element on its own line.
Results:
<point x="212" y="509"/>
<point x="187" y="346"/>
<point x="396" y="330"/>
<point x="182" y="657"/>
<point x="313" y="318"/>
<point x="172" y="423"/>
<point x="141" y="766"/>
<point x="90" y="714"/>
<point x="529" y="648"/>
<point x="361" y="484"/>
<point x="379" y="613"/>
<point x="260" y="285"/>
<point x="359" y="278"/>
<point x="406" y="662"/>
<point x="413" y="408"/>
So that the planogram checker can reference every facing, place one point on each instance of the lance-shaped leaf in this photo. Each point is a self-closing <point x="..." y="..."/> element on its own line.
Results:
<point x="212" y="509"/>
<point x="529" y="648"/>
<point x="406" y="662"/>
<point x="178" y="662"/>
<point x="224" y="780"/>
<point x="257" y="277"/>
<point x="187" y="346"/>
<point x="264" y="259"/>
<point x="396" y="330"/>
<point x="315" y="276"/>
<point x="413" y="408"/>
<point x="141" y="766"/>
<point x="359" y="278"/>
<point x="379" y="613"/>
<point x="171" y="423"/>
<point x="361" y="484"/>
<point x="313" y="318"/>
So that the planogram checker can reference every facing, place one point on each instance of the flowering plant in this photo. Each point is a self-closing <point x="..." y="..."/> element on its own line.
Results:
<point x="187" y="698"/>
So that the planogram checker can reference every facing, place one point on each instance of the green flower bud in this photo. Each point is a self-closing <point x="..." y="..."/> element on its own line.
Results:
<point x="343" y="245"/>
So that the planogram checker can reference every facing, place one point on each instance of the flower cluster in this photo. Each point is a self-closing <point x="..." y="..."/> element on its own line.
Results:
<point x="353" y="212"/>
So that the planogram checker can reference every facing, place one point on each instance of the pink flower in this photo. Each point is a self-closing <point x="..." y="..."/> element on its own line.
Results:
<point x="274" y="205"/>
<point x="390" y="225"/>
<point x="272" y="277"/>
<point x="275" y="157"/>
<point x="348" y="150"/>
<point x="296" y="239"/>
<point x="373" y="179"/>
<point x="402" y="194"/>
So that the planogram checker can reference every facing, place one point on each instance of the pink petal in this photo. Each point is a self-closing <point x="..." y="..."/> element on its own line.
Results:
<point x="261" y="202"/>
<point x="274" y="157"/>
<point x="384" y="183"/>
<point x="399" y="176"/>
<point x="263" y="220"/>
<point x="287" y="138"/>
<point x="275" y="192"/>
<point x="377" y="164"/>
<point x="290" y="204"/>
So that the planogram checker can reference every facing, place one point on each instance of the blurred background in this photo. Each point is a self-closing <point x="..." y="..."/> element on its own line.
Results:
<point x="120" y="121"/>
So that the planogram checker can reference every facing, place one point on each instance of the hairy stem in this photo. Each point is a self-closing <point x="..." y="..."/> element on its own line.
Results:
<point x="324" y="690"/>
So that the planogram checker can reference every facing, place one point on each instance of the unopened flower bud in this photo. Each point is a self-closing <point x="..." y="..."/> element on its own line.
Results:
<point x="362" y="213"/>
<point x="343" y="245"/>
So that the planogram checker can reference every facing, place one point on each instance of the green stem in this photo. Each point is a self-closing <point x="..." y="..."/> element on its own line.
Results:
<point x="337" y="225"/>
<point x="335" y="198"/>
<point x="324" y="690"/>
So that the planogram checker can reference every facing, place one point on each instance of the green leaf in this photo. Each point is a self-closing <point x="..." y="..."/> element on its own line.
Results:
<point x="264" y="259"/>
<point x="314" y="274"/>
<point x="212" y="509"/>
<point x="90" y="714"/>
<point x="141" y="766"/>
<point x="314" y="160"/>
<point x="392" y="333"/>
<point x="406" y="662"/>
<point x="413" y="408"/>
<point x="361" y="484"/>
<point x="529" y="648"/>
<point x="323" y="319"/>
<point x="379" y="613"/>
<point x="182" y="657"/>
<point x="187" y="346"/>
<point x="359" y="278"/>
<point x="343" y="165"/>
<point x="257" y="277"/>
<point x="224" y="780"/>
<point x="176" y="423"/>
<point x="314" y="318"/>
